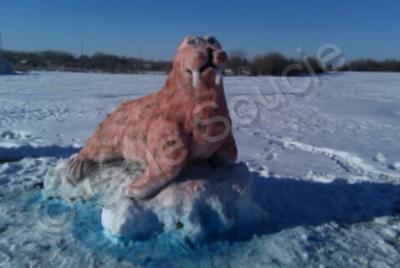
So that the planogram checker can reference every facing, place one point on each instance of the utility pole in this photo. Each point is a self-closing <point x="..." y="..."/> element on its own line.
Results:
<point x="1" y="46"/>
<point x="81" y="48"/>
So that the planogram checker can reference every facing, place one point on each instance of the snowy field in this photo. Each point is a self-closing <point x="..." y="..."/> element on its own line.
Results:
<point x="327" y="161"/>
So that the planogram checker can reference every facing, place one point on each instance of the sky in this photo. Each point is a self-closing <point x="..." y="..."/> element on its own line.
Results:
<point x="152" y="29"/>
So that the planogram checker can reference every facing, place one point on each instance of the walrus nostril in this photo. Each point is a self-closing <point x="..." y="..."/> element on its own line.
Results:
<point x="210" y="52"/>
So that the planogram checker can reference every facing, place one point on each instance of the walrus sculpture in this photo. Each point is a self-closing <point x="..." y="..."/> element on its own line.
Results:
<point x="187" y="120"/>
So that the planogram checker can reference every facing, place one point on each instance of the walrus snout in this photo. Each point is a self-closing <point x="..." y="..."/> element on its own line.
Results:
<point x="216" y="60"/>
<point x="207" y="58"/>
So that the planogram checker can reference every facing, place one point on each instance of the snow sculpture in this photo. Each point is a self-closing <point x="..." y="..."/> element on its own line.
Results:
<point x="187" y="120"/>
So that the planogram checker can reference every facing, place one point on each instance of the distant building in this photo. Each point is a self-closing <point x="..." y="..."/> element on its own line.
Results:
<point x="5" y="67"/>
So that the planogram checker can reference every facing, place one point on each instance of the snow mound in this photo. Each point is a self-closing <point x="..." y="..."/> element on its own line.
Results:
<point x="203" y="204"/>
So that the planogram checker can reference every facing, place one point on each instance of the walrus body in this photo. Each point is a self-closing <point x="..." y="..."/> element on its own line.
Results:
<point x="187" y="120"/>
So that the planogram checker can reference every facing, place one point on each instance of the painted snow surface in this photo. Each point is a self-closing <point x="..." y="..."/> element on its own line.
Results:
<point x="323" y="168"/>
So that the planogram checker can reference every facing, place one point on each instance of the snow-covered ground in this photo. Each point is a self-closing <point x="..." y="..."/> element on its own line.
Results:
<point x="326" y="162"/>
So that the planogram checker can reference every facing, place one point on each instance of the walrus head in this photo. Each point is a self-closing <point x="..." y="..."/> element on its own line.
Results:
<point x="200" y="60"/>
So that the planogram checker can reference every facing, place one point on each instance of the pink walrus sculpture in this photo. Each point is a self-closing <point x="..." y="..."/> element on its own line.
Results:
<point x="187" y="120"/>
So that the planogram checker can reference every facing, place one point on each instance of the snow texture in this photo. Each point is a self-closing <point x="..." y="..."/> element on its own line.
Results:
<point x="320" y="168"/>
<point x="204" y="203"/>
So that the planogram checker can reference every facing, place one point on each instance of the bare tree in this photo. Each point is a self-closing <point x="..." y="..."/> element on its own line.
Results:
<point x="238" y="63"/>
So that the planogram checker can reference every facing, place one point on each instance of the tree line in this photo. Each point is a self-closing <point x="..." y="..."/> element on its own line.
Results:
<point x="277" y="64"/>
<point x="370" y="65"/>
<point x="272" y="63"/>
<point x="99" y="62"/>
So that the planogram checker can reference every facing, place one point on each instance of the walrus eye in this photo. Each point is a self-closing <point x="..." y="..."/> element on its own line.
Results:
<point x="212" y="40"/>
<point x="193" y="41"/>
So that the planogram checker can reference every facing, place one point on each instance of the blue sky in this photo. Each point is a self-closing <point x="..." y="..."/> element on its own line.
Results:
<point x="152" y="29"/>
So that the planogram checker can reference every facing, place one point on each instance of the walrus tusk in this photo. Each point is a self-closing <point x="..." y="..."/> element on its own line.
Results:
<point x="196" y="78"/>
<point x="218" y="76"/>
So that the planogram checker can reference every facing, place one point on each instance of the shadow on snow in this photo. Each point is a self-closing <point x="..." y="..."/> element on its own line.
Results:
<point x="13" y="154"/>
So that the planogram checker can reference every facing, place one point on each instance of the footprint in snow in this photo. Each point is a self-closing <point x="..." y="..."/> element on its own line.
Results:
<point x="394" y="165"/>
<point x="15" y="135"/>
<point x="380" y="157"/>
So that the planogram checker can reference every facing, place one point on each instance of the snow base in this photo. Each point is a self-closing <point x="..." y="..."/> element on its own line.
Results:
<point x="203" y="204"/>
